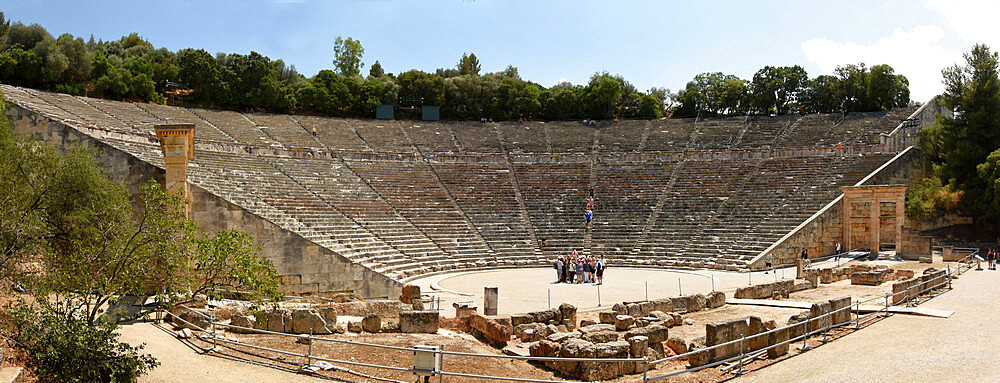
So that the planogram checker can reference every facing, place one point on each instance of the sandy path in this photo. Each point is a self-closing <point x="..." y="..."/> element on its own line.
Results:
<point x="182" y="362"/>
<point x="906" y="348"/>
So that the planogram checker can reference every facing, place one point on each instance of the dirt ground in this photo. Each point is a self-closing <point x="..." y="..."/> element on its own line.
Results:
<point x="283" y="367"/>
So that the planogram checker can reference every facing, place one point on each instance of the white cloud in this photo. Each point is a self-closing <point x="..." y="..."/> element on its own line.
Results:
<point x="917" y="54"/>
<point x="974" y="21"/>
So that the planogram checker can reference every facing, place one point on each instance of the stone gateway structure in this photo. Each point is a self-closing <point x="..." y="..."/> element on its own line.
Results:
<point x="363" y="205"/>
<point x="873" y="214"/>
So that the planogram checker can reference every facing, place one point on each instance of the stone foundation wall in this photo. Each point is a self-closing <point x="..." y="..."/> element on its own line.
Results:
<point x="304" y="267"/>
<point x="915" y="245"/>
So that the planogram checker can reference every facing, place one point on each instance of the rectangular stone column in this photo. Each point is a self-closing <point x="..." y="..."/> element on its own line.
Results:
<point x="491" y="297"/>
<point x="874" y="226"/>
<point x="177" y="145"/>
<point x="900" y="218"/>
<point x="846" y="224"/>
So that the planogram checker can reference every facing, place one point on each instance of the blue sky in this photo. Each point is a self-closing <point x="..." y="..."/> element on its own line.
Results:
<point x="662" y="44"/>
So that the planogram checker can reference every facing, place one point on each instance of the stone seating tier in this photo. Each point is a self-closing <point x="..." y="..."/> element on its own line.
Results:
<point x="454" y="209"/>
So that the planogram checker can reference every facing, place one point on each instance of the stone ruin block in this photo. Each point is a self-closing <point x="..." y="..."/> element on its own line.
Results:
<point x="663" y="304"/>
<point x="607" y="316"/>
<point x="654" y="332"/>
<point x="567" y="314"/>
<point x="867" y="278"/>
<point x="409" y="294"/>
<point x="816" y="311"/>
<point x="812" y="276"/>
<point x="519" y="319"/>
<point x="802" y="284"/>
<point x="372" y="324"/>
<point x="722" y="332"/>
<point x="634" y="310"/>
<point x="786" y="285"/>
<point x="840" y="316"/>
<point x="544" y="348"/>
<point x="757" y="326"/>
<point x="490" y="329"/>
<point x="798" y="324"/>
<point x="545" y="316"/>
<point x="464" y="309"/>
<point x="716" y="299"/>
<point x="622" y="322"/>
<point x="620" y="309"/>
<point x="902" y="290"/>
<point x="531" y="332"/>
<point x="775" y="338"/>
<point x="747" y="292"/>
<point x="419" y="322"/>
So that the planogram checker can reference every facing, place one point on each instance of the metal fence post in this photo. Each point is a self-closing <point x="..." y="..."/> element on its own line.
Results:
<point x="215" y="340"/>
<point x="740" y="370"/>
<point x="886" y="313"/>
<point x="645" y="368"/>
<point x="309" y="359"/>
<point x="598" y="295"/>
<point x="805" y="335"/>
<point x="680" y="291"/>
<point x="440" y="363"/>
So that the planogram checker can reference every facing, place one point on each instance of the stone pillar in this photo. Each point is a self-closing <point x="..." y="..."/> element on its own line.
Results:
<point x="900" y="219"/>
<point x="874" y="226"/>
<point x="492" y="296"/>
<point x="177" y="145"/>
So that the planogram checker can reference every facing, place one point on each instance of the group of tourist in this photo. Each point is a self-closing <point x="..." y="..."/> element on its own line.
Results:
<point x="577" y="269"/>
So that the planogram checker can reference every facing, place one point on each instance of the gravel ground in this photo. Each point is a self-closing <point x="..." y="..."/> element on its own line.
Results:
<point x="907" y="348"/>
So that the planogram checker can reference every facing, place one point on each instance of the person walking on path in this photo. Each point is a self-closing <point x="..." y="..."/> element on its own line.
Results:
<point x="314" y="131"/>
<point x="590" y="203"/>
<point x="836" y="252"/>
<point x="767" y="263"/>
<point x="588" y="216"/>
<point x="805" y="257"/>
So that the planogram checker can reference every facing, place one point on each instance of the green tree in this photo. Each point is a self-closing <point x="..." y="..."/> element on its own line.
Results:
<point x="852" y="87"/>
<point x="421" y="88"/>
<point x="376" y="70"/>
<point x="602" y="94"/>
<point x="347" y="56"/>
<point x="820" y="96"/>
<point x="958" y="145"/>
<point x="886" y="89"/>
<point x="202" y="73"/>
<point x="650" y="106"/>
<point x="776" y="89"/>
<point x="468" y="64"/>
<point x="98" y="245"/>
